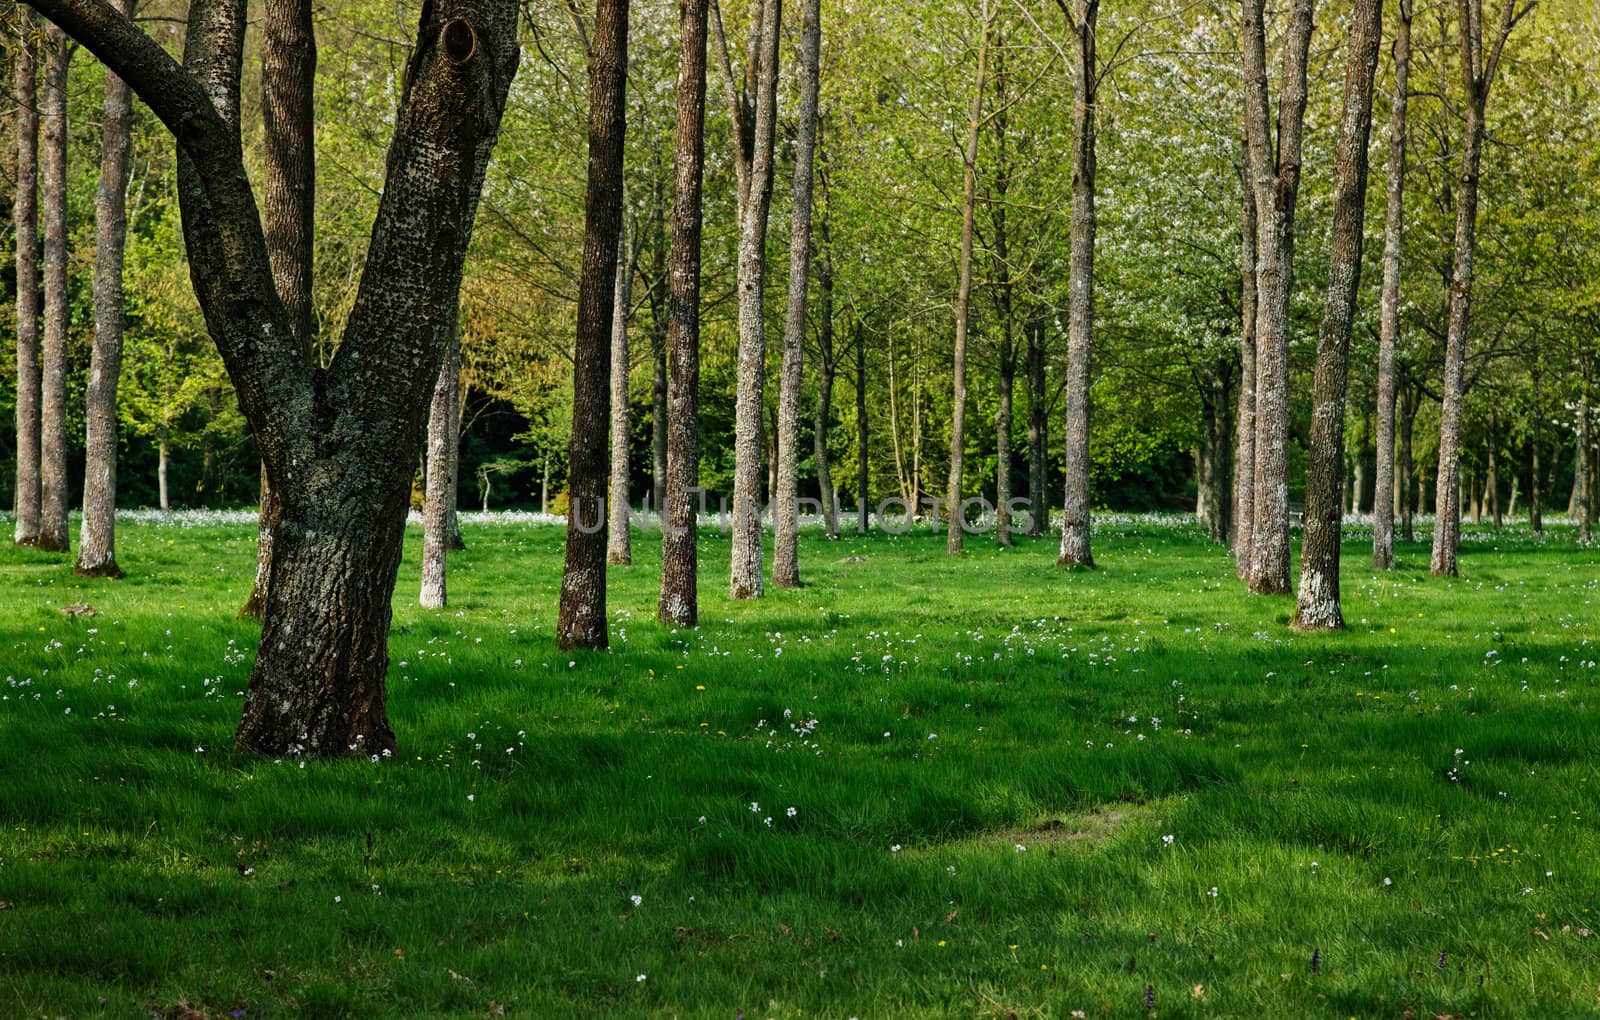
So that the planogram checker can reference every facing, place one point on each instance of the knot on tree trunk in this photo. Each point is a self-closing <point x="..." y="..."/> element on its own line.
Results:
<point x="458" y="41"/>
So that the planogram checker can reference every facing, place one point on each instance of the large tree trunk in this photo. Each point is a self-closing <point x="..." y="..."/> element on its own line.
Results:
<point x="1318" y="606"/>
<point x="53" y="376"/>
<point x="1075" y="548"/>
<point x="1389" y="318"/>
<point x="288" y="75"/>
<point x="1277" y="190"/>
<point x="755" y="116"/>
<point x="786" y="529"/>
<point x="97" y="547"/>
<point x="1038" y="432"/>
<point x="582" y="621"/>
<point x="679" y="603"/>
<point x="1244" y="458"/>
<point x="958" y="371"/>
<point x="620" y="545"/>
<point x="439" y="496"/>
<point x="828" y="370"/>
<point x="862" y="512"/>
<point x="25" y="213"/>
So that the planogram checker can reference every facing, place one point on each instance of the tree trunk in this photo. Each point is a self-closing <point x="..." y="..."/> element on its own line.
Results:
<point x="582" y="620"/>
<point x="786" y="529"/>
<point x="620" y="545"/>
<point x="1580" y="482"/>
<point x="25" y="213"/>
<point x="679" y="603"/>
<point x="288" y="75"/>
<point x="1535" y="483"/>
<point x="754" y="121"/>
<point x="97" y="547"/>
<point x="1492" y="479"/>
<point x="1383" y="497"/>
<point x="1038" y="432"/>
<point x="53" y="377"/>
<point x="439" y="495"/>
<point x="1318" y="605"/>
<point x="1214" y="488"/>
<point x="828" y="369"/>
<point x="1075" y="550"/>
<point x="161" y="470"/>
<point x="1244" y="458"/>
<point x="658" y="415"/>
<point x="1408" y="471"/>
<point x="1277" y="190"/>
<point x="1002" y="433"/>
<point x="862" y="512"/>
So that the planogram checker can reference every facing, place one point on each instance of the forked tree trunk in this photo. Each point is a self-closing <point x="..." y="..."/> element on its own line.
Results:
<point x="1318" y="606"/>
<point x="1277" y="190"/>
<point x="1038" y="432"/>
<point x="1075" y="546"/>
<point x="958" y="371"/>
<point x="1389" y="315"/>
<point x="786" y="526"/>
<point x="620" y="546"/>
<point x="97" y="546"/>
<point x="53" y="499"/>
<point x="755" y="115"/>
<point x="288" y="75"/>
<point x="1244" y="458"/>
<point x="439" y="497"/>
<point x="582" y="620"/>
<point x="25" y="212"/>
<point x="679" y="603"/>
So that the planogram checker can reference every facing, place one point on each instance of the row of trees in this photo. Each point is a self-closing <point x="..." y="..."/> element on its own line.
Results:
<point x="972" y="190"/>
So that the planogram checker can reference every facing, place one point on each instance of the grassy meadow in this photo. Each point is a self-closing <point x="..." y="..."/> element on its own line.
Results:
<point x="921" y="786"/>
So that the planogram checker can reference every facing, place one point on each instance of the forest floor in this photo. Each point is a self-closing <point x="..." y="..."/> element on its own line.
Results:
<point x="920" y="786"/>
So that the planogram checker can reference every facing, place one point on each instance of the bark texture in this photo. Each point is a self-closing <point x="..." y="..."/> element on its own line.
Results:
<point x="1276" y="184"/>
<point x="1383" y="497"/>
<point x="25" y="213"/>
<point x="786" y="525"/>
<point x="97" y="546"/>
<point x="582" y="620"/>
<point x="827" y="369"/>
<point x="679" y="603"/>
<point x="620" y="546"/>
<point x="288" y="193"/>
<point x="1075" y="548"/>
<point x="862" y="511"/>
<point x="1038" y="431"/>
<point x="755" y="116"/>
<point x="1244" y="457"/>
<point x="439" y="493"/>
<point x="1580" y="480"/>
<point x="1479" y="64"/>
<point x="53" y="498"/>
<point x="1318" y="606"/>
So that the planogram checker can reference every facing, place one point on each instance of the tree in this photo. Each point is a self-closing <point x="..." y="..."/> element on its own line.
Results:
<point x="754" y="114"/>
<point x="1275" y="181"/>
<point x="1383" y="496"/>
<point x="1082" y="17"/>
<point x="439" y="494"/>
<point x="1244" y="457"/>
<point x="786" y="528"/>
<point x="679" y="603"/>
<point x="619" y="550"/>
<point x="53" y="367"/>
<point x="1478" y="69"/>
<point x="340" y="442"/>
<point x="97" y="555"/>
<point x="1318" y="606"/>
<point x="25" y="213"/>
<point x="582" y="621"/>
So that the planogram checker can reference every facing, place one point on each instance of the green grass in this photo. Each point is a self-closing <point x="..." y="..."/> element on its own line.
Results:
<point x="990" y="715"/>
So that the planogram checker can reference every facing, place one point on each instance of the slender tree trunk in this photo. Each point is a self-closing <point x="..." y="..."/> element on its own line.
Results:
<point x="1318" y="605"/>
<point x="97" y="554"/>
<point x="1389" y="317"/>
<point x="1002" y="291"/>
<point x="620" y="550"/>
<point x="161" y="470"/>
<point x="1491" y="483"/>
<point x="1002" y="432"/>
<point x="53" y="377"/>
<point x="786" y="530"/>
<point x="25" y="213"/>
<point x="658" y="415"/>
<point x="1580" y="482"/>
<point x="1244" y="459"/>
<point x="755" y="118"/>
<point x="288" y="75"/>
<point x="1277" y="190"/>
<point x="1535" y="482"/>
<point x="1038" y="432"/>
<point x="862" y="512"/>
<point x="969" y="205"/>
<point x="439" y="493"/>
<point x="1408" y="471"/>
<point x="582" y="621"/>
<point x="1216" y="436"/>
<point x="1075" y="550"/>
<point x="828" y="369"/>
<point x="679" y="603"/>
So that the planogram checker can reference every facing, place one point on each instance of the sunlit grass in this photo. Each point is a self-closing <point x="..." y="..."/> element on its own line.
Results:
<point x="920" y="786"/>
